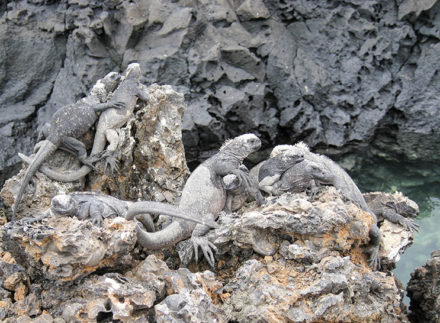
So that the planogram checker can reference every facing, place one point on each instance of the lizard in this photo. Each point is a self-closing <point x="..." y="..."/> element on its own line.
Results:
<point x="333" y="174"/>
<point x="128" y="91"/>
<point x="396" y="208"/>
<point x="238" y="192"/>
<point x="202" y="194"/>
<point x="67" y="124"/>
<point x="97" y="206"/>
<point x="300" y="177"/>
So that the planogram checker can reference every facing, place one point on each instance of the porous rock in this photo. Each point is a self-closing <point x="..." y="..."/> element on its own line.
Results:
<point x="303" y="260"/>
<point x="64" y="249"/>
<point x="424" y="292"/>
<point x="332" y="290"/>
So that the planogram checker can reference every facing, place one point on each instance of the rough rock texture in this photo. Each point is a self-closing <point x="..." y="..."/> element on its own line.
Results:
<point x="424" y="292"/>
<point x="295" y="259"/>
<point x="63" y="249"/>
<point x="332" y="73"/>
<point x="151" y="158"/>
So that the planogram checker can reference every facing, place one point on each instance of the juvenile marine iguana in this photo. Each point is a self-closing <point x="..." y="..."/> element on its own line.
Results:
<point x="67" y="124"/>
<point x="395" y="207"/>
<point x="128" y="91"/>
<point x="332" y="174"/>
<point x="202" y="194"/>
<point x="238" y="192"/>
<point x="98" y="206"/>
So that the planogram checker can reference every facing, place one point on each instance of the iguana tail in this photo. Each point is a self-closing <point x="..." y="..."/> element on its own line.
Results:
<point x="47" y="149"/>
<point x="172" y="233"/>
<point x="163" y="238"/>
<point x="68" y="176"/>
<point x="166" y="209"/>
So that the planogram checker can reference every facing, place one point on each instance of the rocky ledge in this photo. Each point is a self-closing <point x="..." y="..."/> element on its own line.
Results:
<point x="296" y="259"/>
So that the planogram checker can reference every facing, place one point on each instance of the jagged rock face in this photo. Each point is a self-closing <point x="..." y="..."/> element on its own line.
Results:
<point x="331" y="73"/>
<point x="64" y="249"/>
<point x="424" y="292"/>
<point x="295" y="259"/>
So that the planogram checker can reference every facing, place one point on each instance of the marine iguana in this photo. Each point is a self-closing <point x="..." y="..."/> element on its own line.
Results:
<point x="238" y="192"/>
<point x="395" y="207"/>
<point x="202" y="194"/>
<point x="98" y="206"/>
<point x="127" y="92"/>
<point x="332" y="174"/>
<point x="67" y="124"/>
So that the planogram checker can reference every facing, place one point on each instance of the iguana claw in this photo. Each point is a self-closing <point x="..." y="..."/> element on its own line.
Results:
<point x="410" y="224"/>
<point x="206" y="246"/>
<point x="374" y="260"/>
<point x="110" y="161"/>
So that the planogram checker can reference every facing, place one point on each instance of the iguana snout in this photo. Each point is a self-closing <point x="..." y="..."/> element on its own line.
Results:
<point x="63" y="205"/>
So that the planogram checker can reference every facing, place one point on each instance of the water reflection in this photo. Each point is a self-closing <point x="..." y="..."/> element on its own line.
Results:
<point x="421" y="183"/>
<point x="426" y="240"/>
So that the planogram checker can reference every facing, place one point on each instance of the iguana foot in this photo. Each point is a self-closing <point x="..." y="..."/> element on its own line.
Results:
<point x="118" y="105"/>
<point x="206" y="246"/>
<point x="110" y="162"/>
<point x="374" y="260"/>
<point x="88" y="161"/>
<point x="410" y="224"/>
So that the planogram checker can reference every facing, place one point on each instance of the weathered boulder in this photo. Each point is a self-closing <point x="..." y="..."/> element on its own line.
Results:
<point x="64" y="249"/>
<point x="424" y="292"/>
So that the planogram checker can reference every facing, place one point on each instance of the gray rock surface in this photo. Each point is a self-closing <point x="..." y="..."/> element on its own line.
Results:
<point x="331" y="73"/>
<point x="423" y="291"/>
<point x="294" y="259"/>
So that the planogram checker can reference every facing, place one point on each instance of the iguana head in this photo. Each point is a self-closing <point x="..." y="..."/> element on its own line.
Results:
<point x="133" y="71"/>
<point x="241" y="146"/>
<point x="319" y="172"/>
<point x="290" y="150"/>
<point x="63" y="204"/>
<point x="231" y="182"/>
<point x="403" y="205"/>
<point x="276" y="166"/>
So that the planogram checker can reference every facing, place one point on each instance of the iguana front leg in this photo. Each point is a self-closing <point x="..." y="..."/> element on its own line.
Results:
<point x="397" y="218"/>
<point x="108" y="105"/>
<point x="250" y="186"/>
<point x="198" y="239"/>
<point x="375" y="239"/>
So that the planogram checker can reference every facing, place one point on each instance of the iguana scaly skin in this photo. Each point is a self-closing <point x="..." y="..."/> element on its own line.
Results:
<point x="238" y="192"/>
<point x="202" y="194"/>
<point x="98" y="206"/>
<point x="395" y="207"/>
<point x="330" y="173"/>
<point x="128" y="92"/>
<point x="67" y="124"/>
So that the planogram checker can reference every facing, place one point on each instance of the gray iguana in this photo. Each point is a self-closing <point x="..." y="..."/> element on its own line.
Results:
<point x="238" y="192"/>
<point x="396" y="208"/>
<point x="128" y="92"/>
<point x="203" y="194"/>
<point x="326" y="171"/>
<point x="98" y="206"/>
<point x="67" y="124"/>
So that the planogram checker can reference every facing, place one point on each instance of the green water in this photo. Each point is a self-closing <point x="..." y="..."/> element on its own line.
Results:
<point x="426" y="240"/>
<point x="421" y="183"/>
